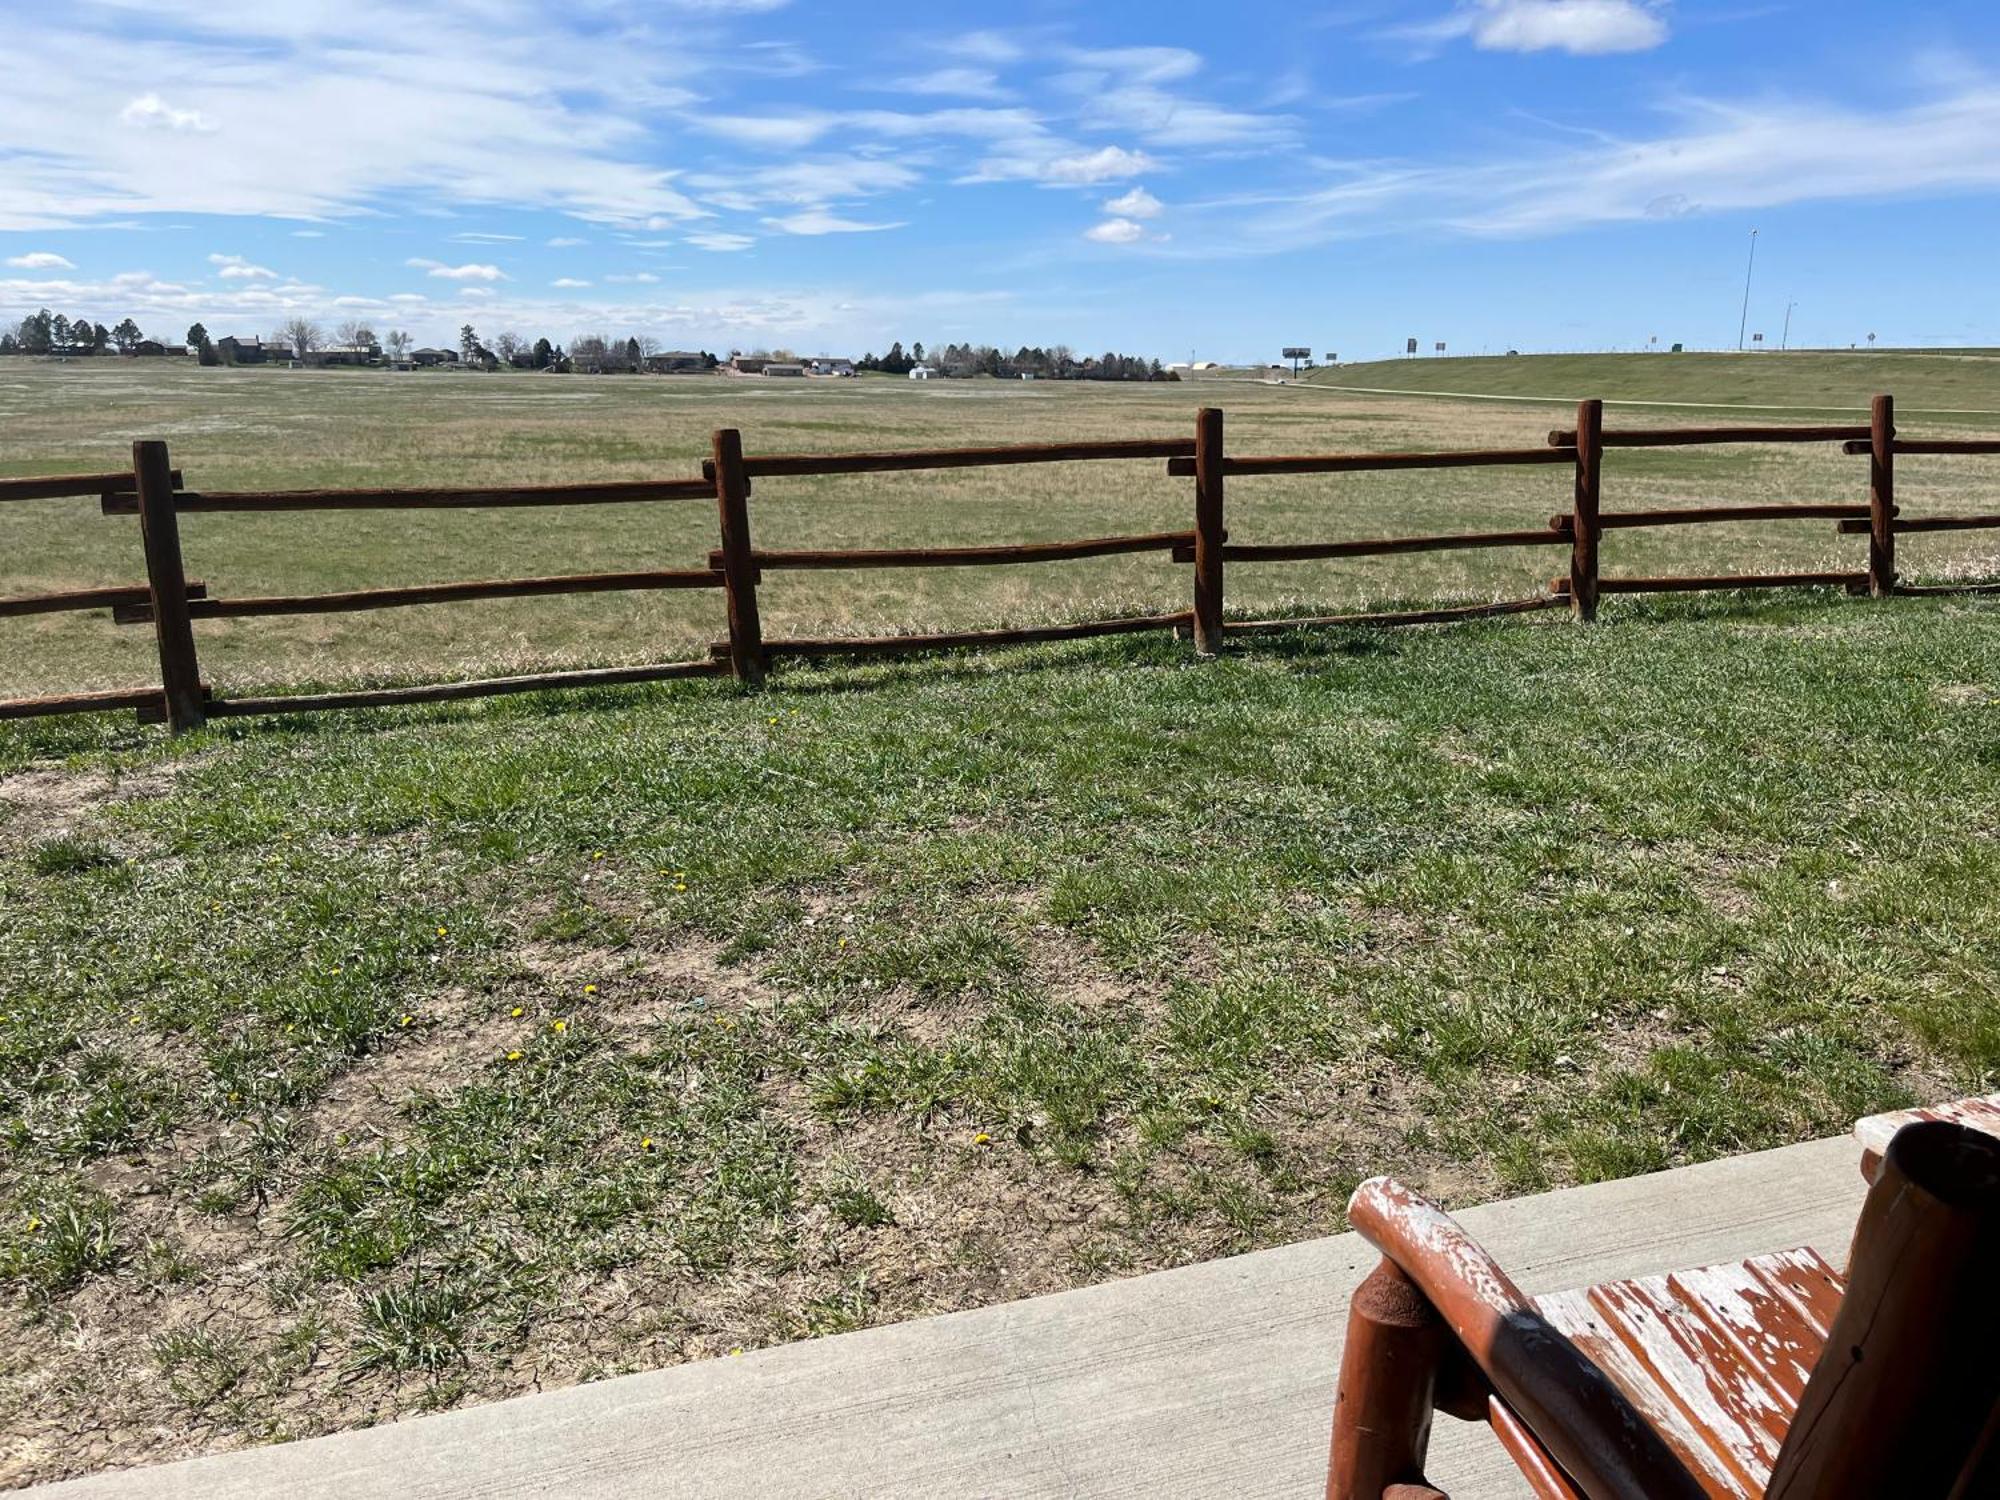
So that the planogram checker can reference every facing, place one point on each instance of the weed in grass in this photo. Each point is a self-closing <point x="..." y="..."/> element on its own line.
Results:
<point x="415" y="1324"/>
<point x="69" y="855"/>
<point x="59" y="1236"/>
<point x="200" y="1365"/>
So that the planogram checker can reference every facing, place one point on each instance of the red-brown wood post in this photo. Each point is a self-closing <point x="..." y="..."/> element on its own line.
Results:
<point x="166" y="578"/>
<point x="1908" y="1382"/>
<point x="1882" y="496"/>
<point x="1583" y="517"/>
<point x="1396" y="1343"/>
<point x="739" y="567"/>
<point x="1208" y="531"/>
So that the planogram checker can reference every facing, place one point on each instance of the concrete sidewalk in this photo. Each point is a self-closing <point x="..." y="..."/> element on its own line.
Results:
<point x="1211" y="1380"/>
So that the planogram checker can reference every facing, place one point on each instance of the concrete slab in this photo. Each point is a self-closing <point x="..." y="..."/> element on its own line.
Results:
<point x="1211" y="1380"/>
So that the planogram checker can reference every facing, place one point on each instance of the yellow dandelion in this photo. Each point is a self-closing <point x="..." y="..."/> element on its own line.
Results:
<point x="132" y="1021"/>
<point x="734" y="1353"/>
<point x="590" y="989"/>
<point x="982" y="1139"/>
<point x="515" y="1055"/>
<point x="406" y="1020"/>
<point x="598" y="855"/>
<point x="774" y="718"/>
<point x="646" y="1144"/>
<point x="334" y="970"/>
<point x="34" y="1224"/>
<point x="516" y="1010"/>
<point x="559" y="1027"/>
<point x="680" y="885"/>
<point x="843" y="942"/>
<point x="440" y="932"/>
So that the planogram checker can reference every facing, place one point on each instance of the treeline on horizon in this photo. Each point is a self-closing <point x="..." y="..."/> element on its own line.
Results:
<point x="1057" y="362"/>
<point x="44" y="332"/>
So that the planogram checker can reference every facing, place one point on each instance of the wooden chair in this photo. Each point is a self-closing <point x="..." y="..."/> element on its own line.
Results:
<point x="1771" y="1377"/>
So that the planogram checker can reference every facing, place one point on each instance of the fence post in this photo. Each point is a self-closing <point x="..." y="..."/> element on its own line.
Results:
<point x="1208" y="531"/>
<point x="739" y="568"/>
<point x="1584" y="530"/>
<point x="1882" y="496"/>
<point x="166" y="578"/>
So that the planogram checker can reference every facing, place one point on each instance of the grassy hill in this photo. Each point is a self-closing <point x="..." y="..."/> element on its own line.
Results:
<point x="1930" y="381"/>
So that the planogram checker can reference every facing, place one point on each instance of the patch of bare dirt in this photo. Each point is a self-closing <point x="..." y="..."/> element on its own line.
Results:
<point x="48" y="802"/>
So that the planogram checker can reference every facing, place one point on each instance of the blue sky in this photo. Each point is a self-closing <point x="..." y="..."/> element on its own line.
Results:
<point x="1162" y="178"/>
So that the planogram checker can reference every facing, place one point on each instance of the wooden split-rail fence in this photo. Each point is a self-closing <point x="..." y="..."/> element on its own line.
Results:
<point x="153" y="491"/>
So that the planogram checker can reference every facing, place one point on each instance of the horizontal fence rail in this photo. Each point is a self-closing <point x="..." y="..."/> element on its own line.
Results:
<point x="125" y="503"/>
<point x="140" y="611"/>
<point x="168" y="601"/>
<point x="62" y="486"/>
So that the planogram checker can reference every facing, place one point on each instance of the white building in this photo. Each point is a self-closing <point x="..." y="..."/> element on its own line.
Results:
<point x="921" y="372"/>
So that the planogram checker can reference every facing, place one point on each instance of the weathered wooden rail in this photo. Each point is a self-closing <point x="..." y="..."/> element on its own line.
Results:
<point x="153" y="491"/>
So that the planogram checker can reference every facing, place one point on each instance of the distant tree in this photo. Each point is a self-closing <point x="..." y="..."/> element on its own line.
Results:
<point x="300" y="335"/>
<point x="126" y="336"/>
<point x="632" y="354"/>
<point x="353" y="334"/>
<point x="507" y="345"/>
<point x="467" y="340"/>
<point x="545" y="354"/>
<point x="917" y="351"/>
<point x="37" y="334"/>
<point x="197" y="335"/>
<point x="59" y="334"/>
<point x="648" y="345"/>
<point x="399" y="343"/>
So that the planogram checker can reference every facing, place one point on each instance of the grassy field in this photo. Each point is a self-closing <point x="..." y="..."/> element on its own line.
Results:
<point x="234" y="428"/>
<point x="1941" y="384"/>
<point x="367" y="1064"/>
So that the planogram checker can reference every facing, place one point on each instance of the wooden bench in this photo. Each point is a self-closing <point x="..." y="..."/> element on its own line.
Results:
<point x="1773" y="1376"/>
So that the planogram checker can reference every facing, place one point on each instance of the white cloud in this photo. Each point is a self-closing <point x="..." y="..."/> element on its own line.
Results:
<point x="1060" y="164"/>
<point x="41" y="260"/>
<point x="566" y="241"/>
<point x="467" y="272"/>
<point x="236" y="268"/>
<point x="767" y="132"/>
<point x="308" y="234"/>
<point x="643" y="277"/>
<point x="819" y="221"/>
<point x="483" y="237"/>
<point x="992" y="47"/>
<point x="1137" y="204"/>
<point x="568" y="281"/>
<point x="710" y="239"/>
<point x="1581" y="27"/>
<point x="151" y="112"/>
<point x="1116" y="232"/>
<point x="963" y="83"/>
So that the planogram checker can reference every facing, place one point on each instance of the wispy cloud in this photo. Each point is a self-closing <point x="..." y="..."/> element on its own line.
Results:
<point x="1058" y="164"/>
<point x="819" y="221"/>
<point x="1582" y="27"/>
<point x="720" y="241"/>
<point x="41" y="260"/>
<point x="1116" y="232"/>
<point x="960" y="83"/>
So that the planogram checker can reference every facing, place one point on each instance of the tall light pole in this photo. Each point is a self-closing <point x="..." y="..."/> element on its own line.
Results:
<point x="1785" y="339"/>
<point x="1747" y="272"/>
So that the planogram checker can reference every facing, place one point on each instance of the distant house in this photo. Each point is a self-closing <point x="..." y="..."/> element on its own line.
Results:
<point x="522" y="359"/>
<point x="153" y="348"/>
<point x="348" y="354"/>
<point x="482" y="358"/>
<point x="776" y="368"/>
<point x="250" y="351"/>
<point x="423" y="358"/>
<point x="921" y="372"/>
<point x="832" y="367"/>
<point x="748" y="364"/>
<point x="676" y="362"/>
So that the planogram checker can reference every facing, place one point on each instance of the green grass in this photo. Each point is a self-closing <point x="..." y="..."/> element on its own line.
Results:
<point x="417" y="1057"/>
<point x="258" y="428"/>
<point x="1940" y="384"/>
